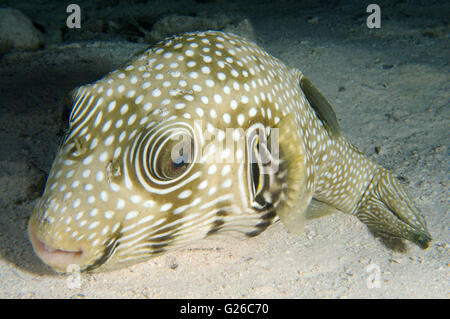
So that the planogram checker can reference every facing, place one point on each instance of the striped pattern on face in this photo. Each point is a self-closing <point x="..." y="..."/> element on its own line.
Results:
<point x="159" y="154"/>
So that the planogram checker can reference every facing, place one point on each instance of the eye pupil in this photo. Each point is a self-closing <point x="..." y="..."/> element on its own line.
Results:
<point x="178" y="166"/>
<point x="179" y="162"/>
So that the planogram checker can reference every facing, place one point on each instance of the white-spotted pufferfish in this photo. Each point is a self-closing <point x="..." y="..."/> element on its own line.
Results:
<point x="201" y="134"/>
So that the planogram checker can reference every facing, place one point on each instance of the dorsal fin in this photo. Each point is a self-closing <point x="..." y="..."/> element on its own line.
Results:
<point x="321" y="106"/>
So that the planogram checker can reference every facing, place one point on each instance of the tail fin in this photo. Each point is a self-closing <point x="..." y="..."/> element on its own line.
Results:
<point x="388" y="211"/>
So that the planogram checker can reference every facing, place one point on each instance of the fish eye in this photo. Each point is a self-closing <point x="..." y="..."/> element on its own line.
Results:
<point x="174" y="159"/>
<point x="164" y="154"/>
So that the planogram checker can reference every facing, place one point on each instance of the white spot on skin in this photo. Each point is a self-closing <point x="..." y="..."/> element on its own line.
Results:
<point x="212" y="169"/>
<point x="120" y="204"/>
<point x="139" y="99"/>
<point x="98" y="119"/>
<point x="79" y="215"/>
<point x="108" y="214"/>
<point x="132" y="119"/>
<point x="225" y="170"/>
<point x="205" y="69"/>
<point x="199" y="111"/>
<point x="227" y="183"/>
<point x="212" y="190"/>
<point x="217" y="98"/>
<point x="104" y="196"/>
<point x="185" y="194"/>
<point x="131" y="215"/>
<point x="241" y="119"/>
<point x="109" y="140"/>
<point x="111" y="106"/>
<point x="135" y="199"/>
<point x="165" y="207"/>
<point x="103" y="156"/>
<point x="93" y="225"/>
<point x="76" y="203"/>
<point x="147" y="106"/>
<point x="106" y="126"/>
<point x="149" y="204"/>
<point x="226" y="118"/>
<point x="156" y="92"/>
<point x="99" y="176"/>
<point x="88" y="160"/>
<point x="203" y="185"/>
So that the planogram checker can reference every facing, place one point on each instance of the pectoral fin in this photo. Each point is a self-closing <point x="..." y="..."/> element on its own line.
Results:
<point x="299" y="180"/>
<point x="318" y="209"/>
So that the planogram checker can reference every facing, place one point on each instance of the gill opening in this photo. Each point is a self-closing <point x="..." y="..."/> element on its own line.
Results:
<point x="257" y="179"/>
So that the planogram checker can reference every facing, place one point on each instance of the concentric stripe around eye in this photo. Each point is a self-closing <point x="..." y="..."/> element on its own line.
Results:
<point x="142" y="158"/>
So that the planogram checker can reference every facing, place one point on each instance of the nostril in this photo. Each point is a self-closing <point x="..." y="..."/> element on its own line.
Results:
<point x="57" y="258"/>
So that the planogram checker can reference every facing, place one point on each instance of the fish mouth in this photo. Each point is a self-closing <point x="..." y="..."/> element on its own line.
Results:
<point x="58" y="259"/>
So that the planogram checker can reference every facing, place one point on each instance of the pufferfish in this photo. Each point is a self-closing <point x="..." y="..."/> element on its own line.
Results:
<point x="204" y="133"/>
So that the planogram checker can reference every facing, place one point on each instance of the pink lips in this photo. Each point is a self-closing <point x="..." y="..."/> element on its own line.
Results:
<point x="56" y="258"/>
